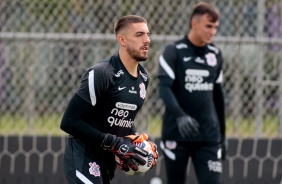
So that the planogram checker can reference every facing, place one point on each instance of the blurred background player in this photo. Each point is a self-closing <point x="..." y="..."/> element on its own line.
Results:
<point x="100" y="115"/>
<point x="190" y="76"/>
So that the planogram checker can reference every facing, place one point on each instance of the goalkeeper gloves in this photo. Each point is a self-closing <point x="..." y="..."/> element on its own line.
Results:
<point x="144" y="136"/>
<point x="155" y="153"/>
<point x="188" y="127"/>
<point x="125" y="150"/>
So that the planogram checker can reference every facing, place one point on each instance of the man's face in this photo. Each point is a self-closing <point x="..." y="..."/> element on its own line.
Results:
<point x="205" y="29"/>
<point x="137" y="41"/>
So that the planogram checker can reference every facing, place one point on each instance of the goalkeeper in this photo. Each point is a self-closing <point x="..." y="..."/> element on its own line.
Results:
<point x="190" y="76"/>
<point x="100" y="116"/>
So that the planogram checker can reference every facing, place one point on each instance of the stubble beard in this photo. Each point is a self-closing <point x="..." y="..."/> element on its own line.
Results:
<point x="135" y="55"/>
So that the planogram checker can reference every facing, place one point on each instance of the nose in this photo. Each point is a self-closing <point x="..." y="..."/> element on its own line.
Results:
<point x="147" y="39"/>
<point x="213" y="31"/>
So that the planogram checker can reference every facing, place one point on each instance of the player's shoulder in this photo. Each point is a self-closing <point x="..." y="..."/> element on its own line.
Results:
<point x="213" y="48"/>
<point x="175" y="46"/>
<point x="105" y="67"/>
<point x="143" y="72"/>
<point x="103" y="64"/>
<point x="102" y="70"/>
<point x="142" y="69"/>
<point x="181" y="43"/>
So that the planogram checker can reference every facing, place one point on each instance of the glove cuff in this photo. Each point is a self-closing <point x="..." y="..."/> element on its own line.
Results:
<point x="108" y="142"/>
<point x="181" y="118"/>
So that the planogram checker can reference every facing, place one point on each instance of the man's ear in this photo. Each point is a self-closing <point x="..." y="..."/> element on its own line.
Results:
<point x="121" y="40"/>
<point x="193" y="22"/>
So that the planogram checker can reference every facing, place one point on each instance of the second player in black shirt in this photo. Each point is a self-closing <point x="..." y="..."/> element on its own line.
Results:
<point x="190" y="85"/>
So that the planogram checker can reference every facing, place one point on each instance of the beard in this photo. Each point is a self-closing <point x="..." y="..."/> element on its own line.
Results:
<point x="136" y="55"/>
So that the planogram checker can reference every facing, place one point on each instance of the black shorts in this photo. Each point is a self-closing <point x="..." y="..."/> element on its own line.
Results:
<point x="83" y="164"/>
<point x="205" y="158"/>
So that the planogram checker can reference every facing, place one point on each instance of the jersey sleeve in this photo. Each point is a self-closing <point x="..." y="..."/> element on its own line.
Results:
<point x="73" y="121"/>
<point x="219" y="78"/>
<point x="95" y="83"/>
<point x="218" y="97"/>
<point x="166" y="75"/>
<point x="80" y="108"/>
<point x="167" y="62"/>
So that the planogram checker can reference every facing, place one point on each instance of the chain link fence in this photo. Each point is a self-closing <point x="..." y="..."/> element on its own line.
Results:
<point x="47" y="45"/>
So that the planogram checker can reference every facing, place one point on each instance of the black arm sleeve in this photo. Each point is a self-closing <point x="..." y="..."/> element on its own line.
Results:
<point x="73" y="122"/>
<point x="169" y="58"/>
<point x="220" y="108"/>
<point x="168" y="97"/>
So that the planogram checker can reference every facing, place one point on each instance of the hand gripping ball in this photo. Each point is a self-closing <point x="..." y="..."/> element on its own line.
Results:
<point x="149" y="159"/>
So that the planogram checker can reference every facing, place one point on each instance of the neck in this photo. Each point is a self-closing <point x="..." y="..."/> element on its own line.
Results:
<point x="129" y="63"/>
<point x="193" y="39"/>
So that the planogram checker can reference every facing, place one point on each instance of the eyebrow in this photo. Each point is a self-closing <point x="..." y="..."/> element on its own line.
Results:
<point x="142" y="32"/>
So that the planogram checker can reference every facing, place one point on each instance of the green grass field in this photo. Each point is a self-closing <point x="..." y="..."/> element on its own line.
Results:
<point x="37" y="125"/>
<point x="49" y="125"/>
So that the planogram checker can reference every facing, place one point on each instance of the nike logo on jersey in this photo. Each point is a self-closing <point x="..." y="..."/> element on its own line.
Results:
<point x="121" y="88"/>
<point x="199" y="60"/>
<point x="185" y="59"/>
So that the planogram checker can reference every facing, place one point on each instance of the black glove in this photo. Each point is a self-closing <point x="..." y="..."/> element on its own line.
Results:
<point x="125" y="150"/>
<point x="188" y="127"/>
<point x="224" y="146"/>
<point x="140" y="139"/>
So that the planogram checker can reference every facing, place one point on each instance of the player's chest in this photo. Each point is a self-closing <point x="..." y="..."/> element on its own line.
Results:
<point x="204" y="65"/>
<point x="127" y="90"/>
<point x="206" y="59"/>
<point x="197" y="68"/>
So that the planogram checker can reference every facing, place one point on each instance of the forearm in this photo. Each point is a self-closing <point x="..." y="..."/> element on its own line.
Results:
<point x="170" y="100"/>
<point x="73" y="122"/>
<point x="220" y="108"/>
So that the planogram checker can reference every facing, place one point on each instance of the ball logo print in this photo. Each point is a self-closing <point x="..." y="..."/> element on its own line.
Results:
<point x="149" y="159"/>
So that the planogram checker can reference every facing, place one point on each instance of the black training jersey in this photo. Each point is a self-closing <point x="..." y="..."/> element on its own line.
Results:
<point x="116" y="96"/>
<point x="191" y="73"/>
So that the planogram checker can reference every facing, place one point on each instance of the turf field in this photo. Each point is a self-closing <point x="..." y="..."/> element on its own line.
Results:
<point x="49" y="125"/>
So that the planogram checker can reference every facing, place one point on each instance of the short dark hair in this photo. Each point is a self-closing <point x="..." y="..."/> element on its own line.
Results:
<point x="202" y="8"/>
<point x="126" y="20"/>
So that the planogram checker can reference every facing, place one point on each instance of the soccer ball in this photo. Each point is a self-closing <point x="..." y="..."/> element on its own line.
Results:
<point x="149" y="159"/>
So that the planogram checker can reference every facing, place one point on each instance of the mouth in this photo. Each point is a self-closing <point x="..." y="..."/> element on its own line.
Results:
<point x="145" y="48"/>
